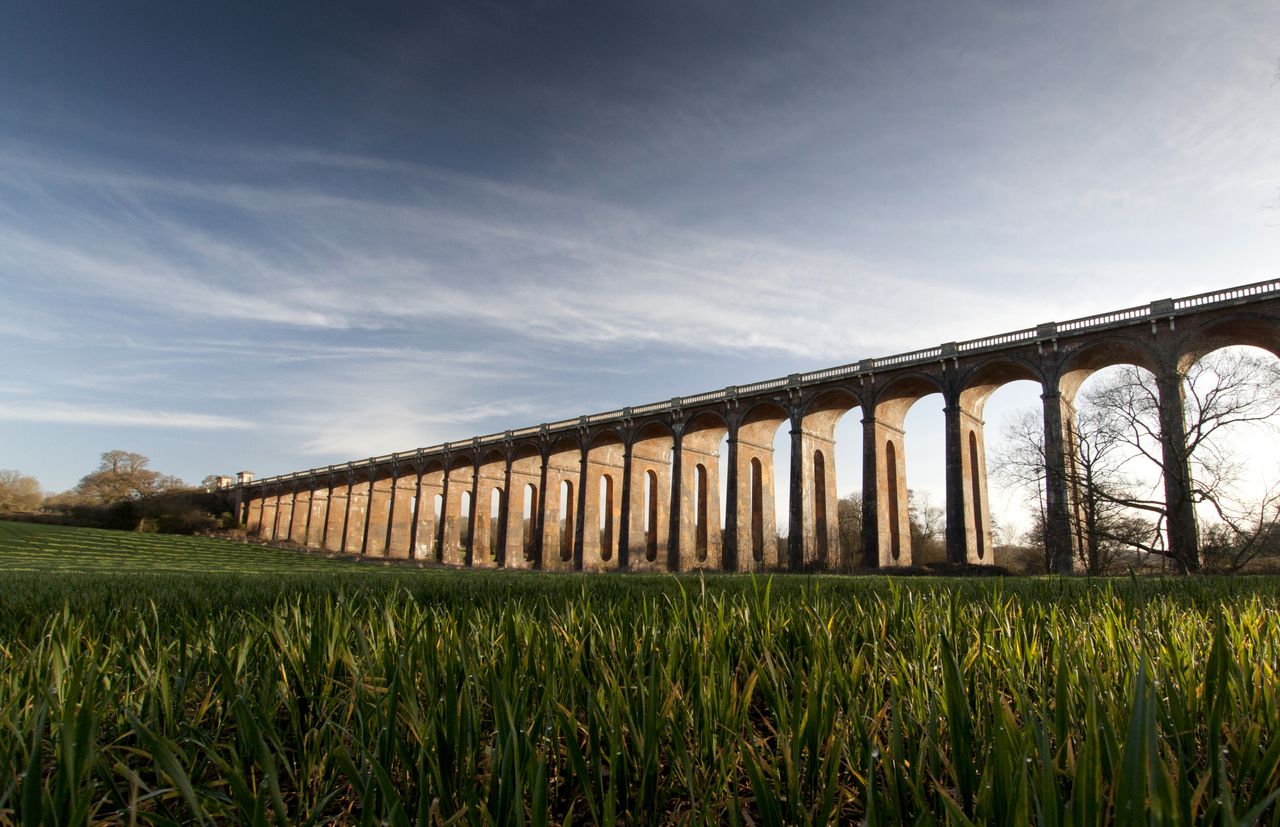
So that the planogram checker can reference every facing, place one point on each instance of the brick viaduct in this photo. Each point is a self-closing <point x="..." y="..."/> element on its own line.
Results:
<point x="647" y="476"/>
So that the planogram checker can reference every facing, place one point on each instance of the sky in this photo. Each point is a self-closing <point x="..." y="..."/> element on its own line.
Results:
<point x="240" y="237"/>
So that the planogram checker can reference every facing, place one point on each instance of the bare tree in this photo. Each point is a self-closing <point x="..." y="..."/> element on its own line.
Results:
<point x="18" y="491"/>
<point x="928" y="527"/>
<point x="1117" y="436"/>
<point x="849" y="509"/>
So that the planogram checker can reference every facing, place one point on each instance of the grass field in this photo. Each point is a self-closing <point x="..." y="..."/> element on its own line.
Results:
<point x="165" y="680"/>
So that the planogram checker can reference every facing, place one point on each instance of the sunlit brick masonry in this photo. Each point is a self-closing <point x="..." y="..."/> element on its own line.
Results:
<point x="637" y="488"/>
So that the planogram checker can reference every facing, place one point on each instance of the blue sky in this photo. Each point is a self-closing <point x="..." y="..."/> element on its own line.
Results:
<point x="240" y="238"/>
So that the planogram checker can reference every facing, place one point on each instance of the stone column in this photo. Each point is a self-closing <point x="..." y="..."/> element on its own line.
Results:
<point x="968" y="511"/>
<point x="1060" y="545"/>
<point x="284" y="515"/>
<point x="415" y="524"/>
<point x="1180" y="527"/>
<point x="891" y="528"/>
<point x="357" y="515"/>
<point x="602" y="471"/>
<point x="870" y="492"/>
<point x="490" y="477"/>
<point x="540" y="516"/>
<point x="270" y="504"/>
<point x="316" y="519"/>
<point x="442" y="522"/>
<point x="253" y="523"/>
<point x="797" y="524"/>
<point x="335" y="532"/>
<point x="624" y="518"/>
<point x="756" y="521"/>
<point x="459" y="479"/>
<point x="644" y="459"/>
<point x="504" y="515"/>
<point x="729" y="541"/>
<point x="821" y="504"/>
<point x="403" y="503"/>
<point x="700" y="542"/>
<point x="677" y="498"/>
<point x="579" y="523"/>
<point x="379" y="516"/>
<point x="298" y="518"/>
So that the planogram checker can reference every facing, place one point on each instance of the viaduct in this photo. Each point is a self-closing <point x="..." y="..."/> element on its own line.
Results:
<point x="637" y="488"/>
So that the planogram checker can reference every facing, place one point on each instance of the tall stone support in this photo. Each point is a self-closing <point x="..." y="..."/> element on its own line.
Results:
<point x="649" y="503"/>
<point x="429" y="524"/>
<point x="821" y="503"/>
<point x="457" y="517"/>
<point x="729" y="539"/>
<point x="284" y="515"/>
<point x="756" y="520"/>
<point x="379" y="516"/>
<point x="253" y="523"/>
<point x="871" y="462"/>
<point x="602" y="506"/>
<point x="700" y="526"/>
<point x="1063" y="542"/>
<point x="319" y="512"/>
<point x="797" y="515"/>
<point x="504" y="519"/>
<point x="523" y="501"/>
<point x="335" y="532"/>
<point x="968" y="509"/>
<point x="624" y="522"/>
<point x="270" y="505"/>
<point x="677" y="505"/>
<point x="561" y="508"/>
<point x="885" y="452"/>
<point x="404" y="492"/>
<point x="491" y="477"/>
<point x="1181" y="529"/>
<point x="298" y="519"/>
<point x="357" y="515"/>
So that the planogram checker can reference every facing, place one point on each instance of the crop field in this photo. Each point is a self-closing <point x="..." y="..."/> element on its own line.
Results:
<point x="148" y="679"/>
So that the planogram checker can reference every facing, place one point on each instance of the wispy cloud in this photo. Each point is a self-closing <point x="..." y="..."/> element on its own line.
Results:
<point x="76" y="414"/>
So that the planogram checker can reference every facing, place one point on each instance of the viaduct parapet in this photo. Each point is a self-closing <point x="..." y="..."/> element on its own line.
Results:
<point x="637" y="488"/>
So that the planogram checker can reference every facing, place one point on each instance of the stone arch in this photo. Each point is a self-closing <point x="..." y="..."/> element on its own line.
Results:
<point x="602" y="520"/>
<point x="756" y="501"/>
<point x="648" y="527"/>
<point x="699" y="493"/>
<point x="1083" y="361"/>
<point x="895" y="399"/>
<point x="524" y="502"/>
<point x="979" y="382"/>
<point x="563" y="465"/>
<point x="1260" y="330"/>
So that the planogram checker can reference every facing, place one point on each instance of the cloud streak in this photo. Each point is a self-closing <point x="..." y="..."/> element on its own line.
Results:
<point x="35" y="411"/>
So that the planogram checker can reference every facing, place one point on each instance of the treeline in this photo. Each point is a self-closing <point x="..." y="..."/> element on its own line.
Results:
<point x="122" y="493"/>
